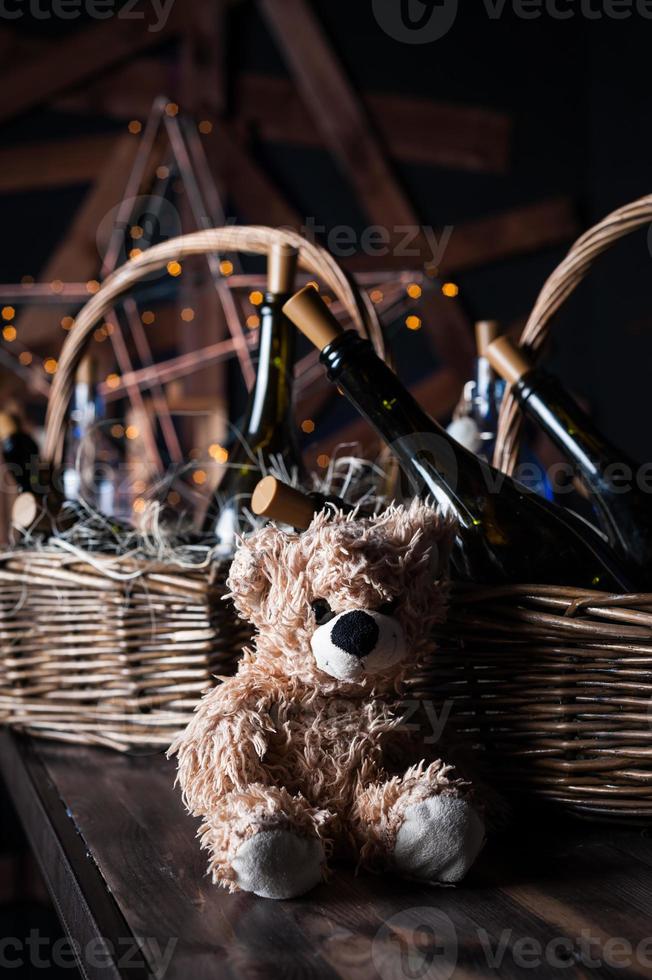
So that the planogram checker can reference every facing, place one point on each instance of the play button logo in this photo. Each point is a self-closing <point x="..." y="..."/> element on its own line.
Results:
<point x="415" y="21"/>
<point x="416" y="944"/>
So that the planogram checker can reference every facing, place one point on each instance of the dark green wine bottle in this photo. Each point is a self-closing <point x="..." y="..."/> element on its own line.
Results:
<point x="622" y="506"/>
<point x="267" y="435"/>
<point x="38" y="498"/>
<point x="19" y="451"/>
<point x="506" y="533"/>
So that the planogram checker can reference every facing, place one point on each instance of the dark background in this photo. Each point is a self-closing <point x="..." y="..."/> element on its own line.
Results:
<point x="577" y="92"/>
<point x="578" y="95"/>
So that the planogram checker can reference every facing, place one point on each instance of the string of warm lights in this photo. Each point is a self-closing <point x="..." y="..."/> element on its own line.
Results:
<point x="132" y="432"/>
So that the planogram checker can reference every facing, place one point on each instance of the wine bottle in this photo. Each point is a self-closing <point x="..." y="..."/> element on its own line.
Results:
<point x="623" y="508"/>
<point x="267" y="435"/>
<point x="37" y="499"/>
<point x="280" y="502"/>
<point x="476" y="428"/>
<point x="19" y="451"/>
<point x="485" y="395"/>
<point x="506" y="533"/>
<point x="87" y="473"/>
<point x="487" y="391"/>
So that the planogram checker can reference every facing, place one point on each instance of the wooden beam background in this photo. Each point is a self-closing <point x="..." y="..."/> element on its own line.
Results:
<point x="414" y="130"/>
<point x="77" y="256"/>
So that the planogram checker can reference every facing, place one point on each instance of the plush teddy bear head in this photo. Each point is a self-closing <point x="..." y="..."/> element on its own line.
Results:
<point x="348" y="603"/>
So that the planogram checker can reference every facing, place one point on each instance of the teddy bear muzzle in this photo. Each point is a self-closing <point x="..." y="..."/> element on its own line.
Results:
<point x="356" y="643"/>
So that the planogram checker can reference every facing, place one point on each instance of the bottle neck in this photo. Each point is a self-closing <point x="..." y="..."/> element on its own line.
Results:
<point x="270" y="399"/>
<point x="568" y="425"/>
<point x="487" y="393"/>
<point x="431" y="459"/>
<point x="610" y="476"/>
<point x="85" y="411"/>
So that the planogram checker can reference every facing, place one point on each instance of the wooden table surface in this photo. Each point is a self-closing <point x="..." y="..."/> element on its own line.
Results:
<point x="557" y="898"/>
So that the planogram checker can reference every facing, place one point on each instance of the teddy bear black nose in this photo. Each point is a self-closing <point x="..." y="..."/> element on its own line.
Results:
<point x="355" y="633"/>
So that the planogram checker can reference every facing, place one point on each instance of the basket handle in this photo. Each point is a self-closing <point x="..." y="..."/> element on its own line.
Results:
<point x="253" y="239"/>
<point x="556" y="290"/>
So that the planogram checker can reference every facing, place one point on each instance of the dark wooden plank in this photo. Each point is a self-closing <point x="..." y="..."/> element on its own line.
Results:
<point x="538" y="895"/>
<point x="69" y="62"/>
<point x="586" y="890"/>
<point x="83" y="903"/>
<point x="132" y="819"/>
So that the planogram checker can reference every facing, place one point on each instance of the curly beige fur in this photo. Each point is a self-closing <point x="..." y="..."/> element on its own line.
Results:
<point x="283" y="744"/>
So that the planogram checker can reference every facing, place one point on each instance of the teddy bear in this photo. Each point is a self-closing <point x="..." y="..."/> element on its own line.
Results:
<point x="303" y="755"/>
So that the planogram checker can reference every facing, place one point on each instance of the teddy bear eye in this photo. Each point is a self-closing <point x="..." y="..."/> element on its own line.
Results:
<point x="322" y="611"/>
<point x="389" y="607"/>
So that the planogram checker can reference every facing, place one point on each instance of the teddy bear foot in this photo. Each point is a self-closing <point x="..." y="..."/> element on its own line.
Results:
<point x="438" y="840"/>
<point x="278" y="864"/>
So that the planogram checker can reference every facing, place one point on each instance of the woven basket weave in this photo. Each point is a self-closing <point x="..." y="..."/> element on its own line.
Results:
<point x="114" y="651"/>
<point x="553" y="685"/>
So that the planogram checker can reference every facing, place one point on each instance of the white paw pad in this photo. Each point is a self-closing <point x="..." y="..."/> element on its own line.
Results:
<point x="439" y="839"/>
<point x="278" y="864"/>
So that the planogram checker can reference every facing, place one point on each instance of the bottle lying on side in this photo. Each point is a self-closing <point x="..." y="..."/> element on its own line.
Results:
<point x="268" y="431"/>
<point x="623" y="507"/>
<point x="507" y="534"/>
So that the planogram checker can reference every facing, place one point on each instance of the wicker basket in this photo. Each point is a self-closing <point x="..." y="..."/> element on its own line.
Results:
<point x="114" y="651"/>
<point x="554" y="685"/>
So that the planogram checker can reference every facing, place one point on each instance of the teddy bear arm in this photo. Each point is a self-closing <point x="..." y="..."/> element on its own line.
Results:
<point x="222" y="748"/>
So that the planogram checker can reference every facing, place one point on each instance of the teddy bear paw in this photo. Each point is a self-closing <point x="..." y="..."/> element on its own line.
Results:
<point x="438" y="840"/>
<point x="278" y="864"/>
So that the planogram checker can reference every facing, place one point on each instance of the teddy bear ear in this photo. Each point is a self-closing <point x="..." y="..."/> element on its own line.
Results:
<point x="423" y="522"/>
<point x="250" y="574"/>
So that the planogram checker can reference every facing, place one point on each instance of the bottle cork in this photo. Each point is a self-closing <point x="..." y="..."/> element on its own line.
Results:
<point x="26" y="509"/>
<point x="7" y="426"/>
<point x="41" y="514"/>
<point x="507" y="360"/>
<point x="281" y="268"/>
<point x="307" y="310"/>
<point x="86" y="372"/>
<point x="486" y="331"/>
<point x="280" y="502"/>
